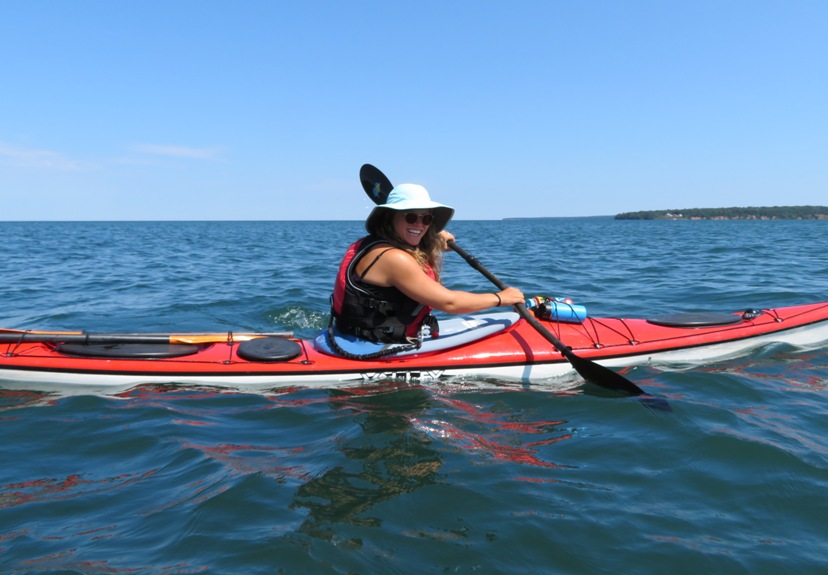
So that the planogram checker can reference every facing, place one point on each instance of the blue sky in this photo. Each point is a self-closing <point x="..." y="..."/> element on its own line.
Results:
<point x="256" y="109"/>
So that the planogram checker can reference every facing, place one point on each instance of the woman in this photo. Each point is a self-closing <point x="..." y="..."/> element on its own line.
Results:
<point x="389" y="281"/>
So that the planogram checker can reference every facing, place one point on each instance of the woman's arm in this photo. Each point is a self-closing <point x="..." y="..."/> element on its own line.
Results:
<point x="399" y="269"/>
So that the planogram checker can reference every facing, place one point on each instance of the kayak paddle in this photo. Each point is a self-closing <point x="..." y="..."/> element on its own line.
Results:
<point x="19" y="336"/>
<point x="589" y="370"/>
<point x="377" y="186"/>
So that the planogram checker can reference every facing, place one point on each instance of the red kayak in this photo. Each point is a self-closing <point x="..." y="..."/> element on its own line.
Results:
<point x="496" y="345"/>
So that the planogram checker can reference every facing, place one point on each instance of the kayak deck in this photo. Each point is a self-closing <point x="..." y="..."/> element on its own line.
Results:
<point x="516" y="352"/>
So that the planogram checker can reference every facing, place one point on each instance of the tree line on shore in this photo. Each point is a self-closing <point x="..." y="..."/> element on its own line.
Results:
<point x="750" y="213"/>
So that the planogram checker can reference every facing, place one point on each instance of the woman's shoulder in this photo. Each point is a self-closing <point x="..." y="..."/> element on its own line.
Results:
<point x="388" y="255"/>
<point x="388" y="252"/>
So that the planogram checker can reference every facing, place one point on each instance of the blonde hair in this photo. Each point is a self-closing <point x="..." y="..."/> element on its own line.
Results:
<point x="428" y="252"/>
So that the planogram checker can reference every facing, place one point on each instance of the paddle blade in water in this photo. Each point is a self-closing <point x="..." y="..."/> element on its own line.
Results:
<point x="597" y="374"/>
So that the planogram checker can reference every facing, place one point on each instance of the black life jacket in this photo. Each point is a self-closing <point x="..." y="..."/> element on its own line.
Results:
<point x="375" y="313"/>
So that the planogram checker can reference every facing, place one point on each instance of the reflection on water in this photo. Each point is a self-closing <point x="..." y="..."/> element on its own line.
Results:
<point x="14" y="398"/>
<point x="403" y="446"/>
<point x="389" y="459"/>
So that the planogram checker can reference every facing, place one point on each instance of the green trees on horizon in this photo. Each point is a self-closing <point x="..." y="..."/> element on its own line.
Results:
<point x="750" y="213"/>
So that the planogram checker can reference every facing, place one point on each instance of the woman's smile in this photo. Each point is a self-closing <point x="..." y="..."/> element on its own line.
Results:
<point x="411" y="225"/>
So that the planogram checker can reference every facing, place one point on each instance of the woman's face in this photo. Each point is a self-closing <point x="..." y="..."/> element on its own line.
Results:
<point x="411" y="226"/>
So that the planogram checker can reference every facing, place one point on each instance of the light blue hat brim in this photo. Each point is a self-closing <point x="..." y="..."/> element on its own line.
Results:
<point x="406" y="197"/>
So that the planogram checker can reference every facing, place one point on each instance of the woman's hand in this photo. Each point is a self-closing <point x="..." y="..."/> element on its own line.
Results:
<point x="511" y="296"/>
<point x="445" y="237"/>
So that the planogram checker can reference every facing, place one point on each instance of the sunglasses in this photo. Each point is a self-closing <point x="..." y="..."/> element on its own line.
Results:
<point x="411" y="218"/>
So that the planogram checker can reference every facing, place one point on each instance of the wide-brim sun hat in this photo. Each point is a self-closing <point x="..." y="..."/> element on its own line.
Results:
<point x="408" y="197"/>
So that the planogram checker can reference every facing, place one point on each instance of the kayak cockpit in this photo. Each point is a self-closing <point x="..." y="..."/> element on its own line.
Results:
<point x="455" y="331"/>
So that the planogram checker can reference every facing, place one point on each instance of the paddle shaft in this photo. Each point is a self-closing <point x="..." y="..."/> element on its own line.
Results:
<point x="589" y="370"/>
<point x="21" y="336"/>
<point x="521" y="308"/>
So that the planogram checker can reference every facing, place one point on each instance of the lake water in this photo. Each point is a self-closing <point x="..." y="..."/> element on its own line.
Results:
<point x="440" y="477"/>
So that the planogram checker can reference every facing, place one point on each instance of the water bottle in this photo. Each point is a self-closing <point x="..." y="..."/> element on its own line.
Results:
<point x="560" y="309"/>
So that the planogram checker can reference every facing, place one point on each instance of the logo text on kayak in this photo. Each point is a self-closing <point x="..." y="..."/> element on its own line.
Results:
<point x="426" y="375"/>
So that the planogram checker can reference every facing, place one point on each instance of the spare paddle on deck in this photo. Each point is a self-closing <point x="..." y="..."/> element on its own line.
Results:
<point x="589" y="370"/>
<point x="21" y="336"/>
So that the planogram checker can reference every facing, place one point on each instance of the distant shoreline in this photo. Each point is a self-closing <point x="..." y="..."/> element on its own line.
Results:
<point x="751" y="213"/>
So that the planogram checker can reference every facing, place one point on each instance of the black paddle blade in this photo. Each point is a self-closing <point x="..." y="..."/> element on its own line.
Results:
<point x="375" y="184"/>
<point x="601" y="376"/>
<point x="607" y="380"/>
